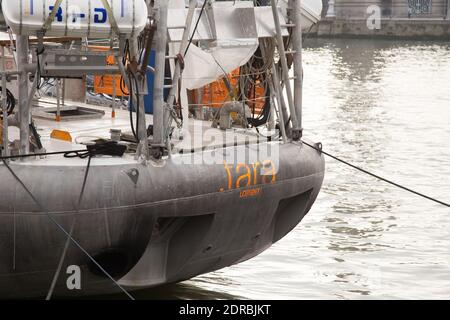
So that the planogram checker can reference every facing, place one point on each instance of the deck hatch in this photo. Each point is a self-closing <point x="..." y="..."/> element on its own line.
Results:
<point x="69" y="113"/>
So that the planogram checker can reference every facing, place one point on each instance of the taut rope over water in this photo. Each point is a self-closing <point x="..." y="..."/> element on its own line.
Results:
<point x="319" y="149"/>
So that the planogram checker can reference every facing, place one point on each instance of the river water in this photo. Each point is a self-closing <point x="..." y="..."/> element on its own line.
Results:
<point x="385" y="106"/>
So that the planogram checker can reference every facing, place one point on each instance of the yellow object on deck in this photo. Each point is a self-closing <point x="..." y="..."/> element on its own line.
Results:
<point x="61" y="135"/>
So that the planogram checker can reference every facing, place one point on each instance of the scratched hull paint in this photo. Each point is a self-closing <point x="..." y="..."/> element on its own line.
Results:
<point x="147" y="225"/>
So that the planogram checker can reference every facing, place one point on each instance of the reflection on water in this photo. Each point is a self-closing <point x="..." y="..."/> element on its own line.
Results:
<point x="385" y="106"/>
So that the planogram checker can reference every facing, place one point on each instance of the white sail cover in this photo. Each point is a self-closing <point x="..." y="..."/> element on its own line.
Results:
<point x="230" y="32"/>
<point x="206" y="65"/>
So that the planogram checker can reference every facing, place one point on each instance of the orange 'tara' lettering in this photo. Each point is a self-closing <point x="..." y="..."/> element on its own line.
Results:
<point x="247" y="176"/>
<point x="255" y="172"/>
<point x="229" y="177"/>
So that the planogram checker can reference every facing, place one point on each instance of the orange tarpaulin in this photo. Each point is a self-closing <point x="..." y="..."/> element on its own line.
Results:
<point x="216" y="93"/>
<point x="105" y="83"/>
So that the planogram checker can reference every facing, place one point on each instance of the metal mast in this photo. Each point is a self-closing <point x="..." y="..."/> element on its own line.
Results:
<point x="297" y="45"/>
<point x="4" y="106"/>
<point x="163" y="112"/>
<point x="24" y="108"/>
<point x="158" y="92"/>
<point x="293" y="98"/>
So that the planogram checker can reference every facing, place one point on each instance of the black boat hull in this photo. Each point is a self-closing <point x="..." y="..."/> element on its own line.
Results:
<point x="147" y="225"/>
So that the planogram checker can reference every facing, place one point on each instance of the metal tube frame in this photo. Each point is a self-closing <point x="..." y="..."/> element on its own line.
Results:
<point x="142" y="150"/>
<point x="177" y="72"/>
<point x="297" y="46"/>
<point x="114" y="95"/>
<point x="282" y="112"/>
<point x="158" y="144"/>
<point x="58" y="100"/>
<point x="295" y="126"/>
<point x="5" y="141"/>
<point x="22" y="43"/>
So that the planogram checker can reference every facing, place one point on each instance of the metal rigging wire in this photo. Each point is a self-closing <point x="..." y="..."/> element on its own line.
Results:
<point x="319" y="149"/>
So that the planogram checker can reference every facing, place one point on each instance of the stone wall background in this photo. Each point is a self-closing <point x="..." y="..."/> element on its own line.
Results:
<point x="348" y="9"/>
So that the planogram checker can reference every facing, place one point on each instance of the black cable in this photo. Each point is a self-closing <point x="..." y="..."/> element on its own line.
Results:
<point x="319" y="149"/>
<point x="130" y="89"/>
<point x="122" y="86"/>
<point x="249" y="89"/>
<point x="106" y="148"/>
<point x="38" y="72"/>
<point x="126" y="56"/>
<point x="86" y="174"/>
<point x="196" y="27"/>
<point x="261" y="119"/>
<point x="126" y="51"/>
<point x="132" y="107"/>
<point x="10" y="102"/>
<point x="43" y="154"/>
<point x="77" y="154"/>
<point x="138" y="103"/>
